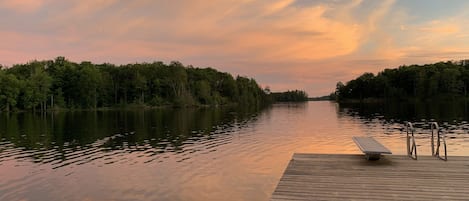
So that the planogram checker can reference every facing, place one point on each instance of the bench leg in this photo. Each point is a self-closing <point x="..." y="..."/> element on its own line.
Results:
<point x="372" y="157"/>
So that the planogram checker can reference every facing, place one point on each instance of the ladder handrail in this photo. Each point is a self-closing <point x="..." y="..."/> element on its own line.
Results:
<point x="411" y="149"/>
<point x="434" y="126"/>
<point x="440" y="136"/>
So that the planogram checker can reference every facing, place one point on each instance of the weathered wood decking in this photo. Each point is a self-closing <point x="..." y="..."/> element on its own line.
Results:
<point x="351" y="177"/>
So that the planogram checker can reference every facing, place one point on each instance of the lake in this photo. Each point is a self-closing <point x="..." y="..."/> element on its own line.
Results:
<point x="197" y="154"/>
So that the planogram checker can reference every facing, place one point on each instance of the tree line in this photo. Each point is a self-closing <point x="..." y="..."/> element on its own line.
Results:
<point x="442" y="80"/>
<point x="289" y="96"/>
<point x="59" y="83"/>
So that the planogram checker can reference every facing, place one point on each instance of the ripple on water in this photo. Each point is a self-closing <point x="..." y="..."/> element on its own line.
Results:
<point x="238" y="157"/>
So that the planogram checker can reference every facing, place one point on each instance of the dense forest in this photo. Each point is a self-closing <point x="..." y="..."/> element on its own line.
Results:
<point x="443" y="80"/>
<point x="289" y="96"/>
<point x="62" y="84"/>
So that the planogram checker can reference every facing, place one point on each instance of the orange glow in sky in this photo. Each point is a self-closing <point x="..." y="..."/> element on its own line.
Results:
<point x="284" y="44"/>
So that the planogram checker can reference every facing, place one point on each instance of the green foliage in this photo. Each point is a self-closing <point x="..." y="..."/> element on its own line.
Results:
<point x="439" y="80"/>
<point x="60" y="83"/>
<point x="9" y="90"/>
<point x="249" y="92"/>
<point x="35" y="88"/>
<point x="202" y="91"/>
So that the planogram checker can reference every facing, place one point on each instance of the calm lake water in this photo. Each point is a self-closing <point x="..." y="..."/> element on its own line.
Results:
<point x="197" y="154"/>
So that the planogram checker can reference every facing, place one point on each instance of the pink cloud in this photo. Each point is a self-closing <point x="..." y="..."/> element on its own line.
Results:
<point x="280" y="43"/>
<point x="22" y="6"/>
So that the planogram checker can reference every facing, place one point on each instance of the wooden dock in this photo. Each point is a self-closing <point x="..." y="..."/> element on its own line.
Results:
<point x="393" y="177"/>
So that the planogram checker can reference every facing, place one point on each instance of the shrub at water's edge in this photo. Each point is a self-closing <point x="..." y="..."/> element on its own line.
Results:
<point x="443" y="80"/>
<point x="62" y="84"/>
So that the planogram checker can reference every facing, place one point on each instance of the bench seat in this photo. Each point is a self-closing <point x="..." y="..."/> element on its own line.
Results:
<point x="370" y="147"/>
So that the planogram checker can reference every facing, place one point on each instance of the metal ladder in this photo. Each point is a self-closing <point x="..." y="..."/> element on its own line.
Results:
<point x="411" y="146"/>
<point x="439" y="137"/>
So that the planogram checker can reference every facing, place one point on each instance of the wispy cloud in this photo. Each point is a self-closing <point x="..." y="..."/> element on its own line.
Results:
<point x="283" y="43"/>
<point x="23" y="6"/>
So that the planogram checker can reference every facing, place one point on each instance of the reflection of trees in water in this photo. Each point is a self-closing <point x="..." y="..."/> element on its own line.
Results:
<point x="451" y="115"/>
<point x="442" y="111"/>
<point x="133" y="130"/>
<point x="299" y="105"/>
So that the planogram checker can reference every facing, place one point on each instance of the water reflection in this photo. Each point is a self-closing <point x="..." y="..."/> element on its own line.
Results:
<point x="442" y="111"/>
<point x="40" y="153"/>
<point x="194" y="154"/>
<point x="162" y="130"/>
<point x="452" y="117"/>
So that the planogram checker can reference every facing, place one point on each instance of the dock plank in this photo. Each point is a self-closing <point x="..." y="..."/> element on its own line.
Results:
<point x="394" y="177"/>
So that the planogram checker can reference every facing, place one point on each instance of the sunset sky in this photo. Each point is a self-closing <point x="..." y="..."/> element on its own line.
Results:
<point x="285" y="44"/>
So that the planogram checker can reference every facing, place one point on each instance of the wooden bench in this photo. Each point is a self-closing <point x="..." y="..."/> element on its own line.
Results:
<point x="370" y="147"/>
